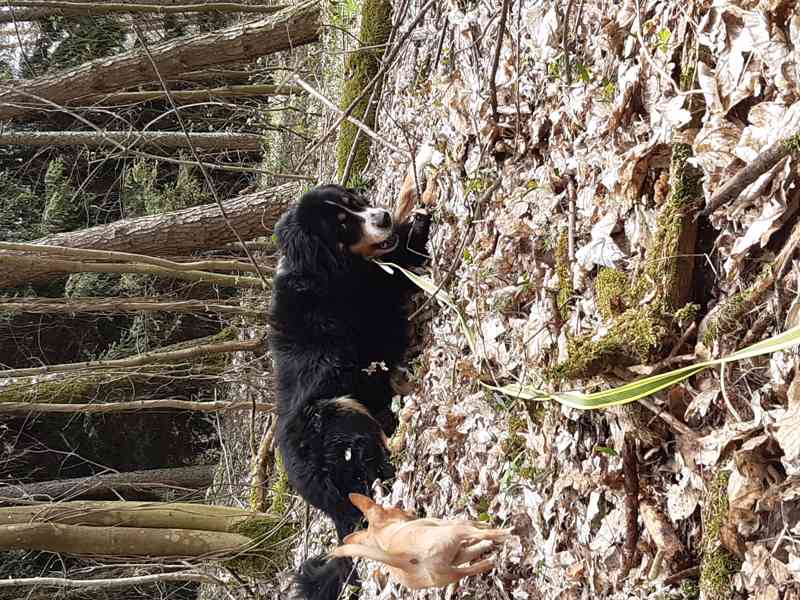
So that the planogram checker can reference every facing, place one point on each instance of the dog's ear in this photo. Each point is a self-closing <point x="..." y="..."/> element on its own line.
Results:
<point x="361" y="502"/>
<point x="307" y="250"/>
<point x="357" y="537"/>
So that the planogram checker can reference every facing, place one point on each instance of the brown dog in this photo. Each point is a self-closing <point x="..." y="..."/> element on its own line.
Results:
<point x="420" y="553"/>
<point x="415" y="176"/>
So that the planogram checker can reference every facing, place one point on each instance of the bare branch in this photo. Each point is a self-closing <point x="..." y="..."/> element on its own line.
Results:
<point x="89" y="305"/>
<point x="133" y="405"/>
<point x="107" y="584"/>
<point x="148" y="358"/>
<point x="246" y="142"/>
<point x="232" y="91"/>
<point x="366" y="129"/>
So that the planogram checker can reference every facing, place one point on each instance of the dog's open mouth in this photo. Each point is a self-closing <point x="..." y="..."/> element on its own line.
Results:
<point x="386" y="245"/>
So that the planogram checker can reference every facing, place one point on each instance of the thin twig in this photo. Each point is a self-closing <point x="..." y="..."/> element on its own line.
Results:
<point x="24" y="261"/>
<point x="676" y="425"/>
<point x="113" y="255"/>
<point x="361" y="126"/>
<point x="689" y="573"/>
<point x="90" y="305"/>
<point x="78" y="8"/>
<point x="496" y="62"/>
<point x="630" y="469"/>
<point x="565" y="43"/>
<point x="263" y="459"/>
<point x="684" y="337"/>
<point x="107" y="584"/>
<point x="766" y="159"/>
<point x="147" y="358"/>
<point x="133" y="405"/>
<point x="572" y="209"/>
<point x="651" y="61"/>
<point x="724" y="390"/>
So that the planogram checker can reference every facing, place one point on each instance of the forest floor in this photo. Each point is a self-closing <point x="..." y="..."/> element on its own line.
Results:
<point x="559" y="275"/>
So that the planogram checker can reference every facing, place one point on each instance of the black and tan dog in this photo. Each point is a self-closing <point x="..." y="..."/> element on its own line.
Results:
<point x="338" y="330"/>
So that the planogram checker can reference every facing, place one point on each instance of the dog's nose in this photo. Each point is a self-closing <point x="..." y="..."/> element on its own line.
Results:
<point x="385" y="220"/>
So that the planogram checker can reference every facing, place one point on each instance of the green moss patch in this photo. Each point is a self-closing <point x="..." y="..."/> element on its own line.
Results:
<point x="362" y="65"/>
<point x="269" y="554"/>
<point x="641" y="313"/>
<point x="717" y="564"/>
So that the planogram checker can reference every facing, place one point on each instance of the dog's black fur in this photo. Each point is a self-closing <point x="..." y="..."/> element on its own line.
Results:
<point x="339" y="328"/>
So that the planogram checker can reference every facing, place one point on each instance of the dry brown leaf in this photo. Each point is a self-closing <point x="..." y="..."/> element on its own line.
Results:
<point x="660" y="530"/>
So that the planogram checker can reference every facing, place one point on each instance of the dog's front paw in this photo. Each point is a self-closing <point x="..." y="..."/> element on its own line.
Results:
<point x="420" y="230"/>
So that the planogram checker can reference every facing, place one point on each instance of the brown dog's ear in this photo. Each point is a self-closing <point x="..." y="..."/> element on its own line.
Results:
<point x="361" y="502"/>
<point x="357" y="537"/>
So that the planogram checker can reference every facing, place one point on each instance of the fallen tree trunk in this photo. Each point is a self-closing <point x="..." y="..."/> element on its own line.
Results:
<point x="247" y="142"/>
<point x="130" y="485"/>
<point x="172" y="234"/>
<point x="291" y="27"/>
<point x="30" y="10"/>
<point x="119" y="541"/>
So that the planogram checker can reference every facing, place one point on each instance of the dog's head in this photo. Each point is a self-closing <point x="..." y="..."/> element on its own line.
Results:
<point x="376" y="515"/>
<point x="332" y="224"/>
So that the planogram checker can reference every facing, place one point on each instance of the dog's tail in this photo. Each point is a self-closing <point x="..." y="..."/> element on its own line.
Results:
<point x="324" y="578"/>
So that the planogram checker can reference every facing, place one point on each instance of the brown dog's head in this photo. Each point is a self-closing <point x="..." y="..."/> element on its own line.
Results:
<point x="376" y="516"/>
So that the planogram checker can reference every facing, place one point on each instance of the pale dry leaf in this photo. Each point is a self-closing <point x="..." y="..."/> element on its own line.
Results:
<point x="684" y="496"/>
<point x="660" y="530"/>
<point x="700" y="404"/>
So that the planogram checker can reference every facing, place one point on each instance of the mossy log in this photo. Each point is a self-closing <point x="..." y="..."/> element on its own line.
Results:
<point x="362" y="65"/>
<point x="717" y="564"/>
<point x="642" y="312"/>
<point x="250" y="539"/>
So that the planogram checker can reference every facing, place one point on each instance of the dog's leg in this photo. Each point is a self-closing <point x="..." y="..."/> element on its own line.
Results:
<point x="408" y="191"/>
<point x="476" y="569"/>
<point x="491" y="534"/>
<point x="471" y="552"/>
<point x="373" y="553"/>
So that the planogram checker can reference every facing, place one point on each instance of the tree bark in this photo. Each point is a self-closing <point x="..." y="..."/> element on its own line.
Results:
<point x="29" y="10"/>
<point x="291" y="27"/>
<point x="246" y="142"/>
<point x="172" y="234"/>
<point x="130" y="485"/>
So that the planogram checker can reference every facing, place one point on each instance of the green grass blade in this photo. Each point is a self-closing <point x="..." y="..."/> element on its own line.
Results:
<point x="430" y="288"/>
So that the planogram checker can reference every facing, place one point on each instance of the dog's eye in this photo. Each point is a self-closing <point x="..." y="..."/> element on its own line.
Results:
<point x="341" y="216"/>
